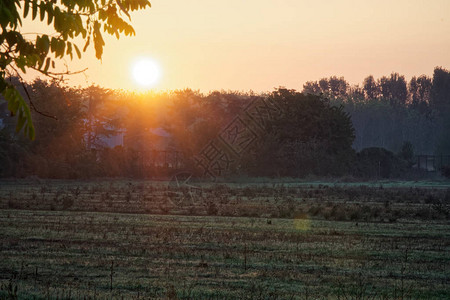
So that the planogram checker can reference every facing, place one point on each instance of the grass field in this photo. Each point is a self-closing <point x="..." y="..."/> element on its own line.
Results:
<point x="136" y="239"/>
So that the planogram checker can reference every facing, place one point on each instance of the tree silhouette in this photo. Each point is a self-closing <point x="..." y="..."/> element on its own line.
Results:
<point x="440" y="91"/>
<point x="370" y="87"/>
<point x="311" y="137"/>
<point x="440" y="102"/>
<point x="420" y="90"/>
<point x="393" y="88"/>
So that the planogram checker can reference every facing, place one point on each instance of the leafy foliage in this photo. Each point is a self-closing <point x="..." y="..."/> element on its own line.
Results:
<point x="420" y="91"/>
<point x="70" y="19"/>
<point x="311" y="137"/>
<point x="377" y="162"/>
<point x="394" y="89"/>
<point x="315" y="135"/>
<point x="440" y="97"/>
<point x="445" y="171"/>
<point x="407" y="152"/>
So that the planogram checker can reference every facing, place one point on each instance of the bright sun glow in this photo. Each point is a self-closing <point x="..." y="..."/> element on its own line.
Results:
<point x="146" y="72"/>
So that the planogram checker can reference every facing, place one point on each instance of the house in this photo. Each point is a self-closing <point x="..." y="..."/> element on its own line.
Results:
<point x="155" y="147"/>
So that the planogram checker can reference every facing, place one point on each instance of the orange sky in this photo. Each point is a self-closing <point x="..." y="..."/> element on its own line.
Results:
<point x="261" y="44"/>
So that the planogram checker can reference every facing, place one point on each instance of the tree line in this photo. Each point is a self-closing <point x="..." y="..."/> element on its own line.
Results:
<point x="388" y="111"/>
<point x="329" y="129"/>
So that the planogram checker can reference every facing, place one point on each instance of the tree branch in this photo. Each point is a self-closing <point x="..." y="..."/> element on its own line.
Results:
<point x="52" y="74"/>
<point x="29" y="97"/>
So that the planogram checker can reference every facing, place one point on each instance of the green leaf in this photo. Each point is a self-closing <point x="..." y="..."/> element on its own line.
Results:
<point x="42" y="11"/>
<point x="123" y="9"/>
<point x="69" y="50"/>
<point x="20" y="121"/>
<point x="47" y="65"/>
<point x="2" y="82"/>
<point x="102" y="14"/>
<point x="58" y="19"/>
<point x="77" y="51"/>
<point x="49" y="13"/>
<point x="42" y="44"/>
<point x="16" y="104"/>
<point x="11" y="38"/>
<point x="13" y="104"/>
<point x="87" y="43"/>
<point x="35" y="7"/>
<point x="60" y="48"/>
<point x="21" y="62"/>
<point x="30" y="131"/>
<point x="53" y="44"/>
<point x="45" y="43"/>
<point x="6" y="17"/>
<point x="26" y="8"/>
<point x="98" y="40"/>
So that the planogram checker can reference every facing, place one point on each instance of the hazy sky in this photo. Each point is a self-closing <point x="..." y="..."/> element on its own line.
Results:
<point x="261" y="44"/>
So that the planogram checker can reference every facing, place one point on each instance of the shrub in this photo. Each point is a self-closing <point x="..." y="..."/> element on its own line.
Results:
<point x="379" y="163"/>
<point x="407" y="152"/>
<point x="445" y="171"/>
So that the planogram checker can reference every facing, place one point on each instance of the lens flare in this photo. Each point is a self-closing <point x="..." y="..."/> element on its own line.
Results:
<point x="302" y="222"/>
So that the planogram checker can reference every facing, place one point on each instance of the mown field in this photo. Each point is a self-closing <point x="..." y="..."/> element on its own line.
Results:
<point x="141" y="240"/>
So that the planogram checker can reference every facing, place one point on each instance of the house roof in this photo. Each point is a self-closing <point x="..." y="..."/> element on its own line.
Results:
<point x="160" y="132"/>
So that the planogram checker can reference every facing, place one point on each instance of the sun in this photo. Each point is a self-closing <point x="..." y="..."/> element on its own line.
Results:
<point x="146" y="72"/>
